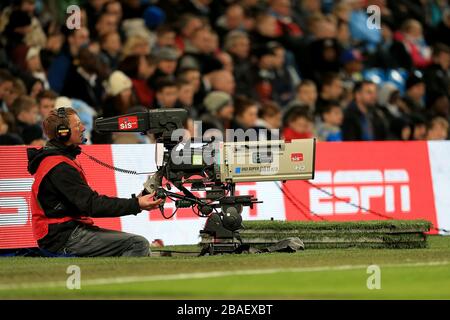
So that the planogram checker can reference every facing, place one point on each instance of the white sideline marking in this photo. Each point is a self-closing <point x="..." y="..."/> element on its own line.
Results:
<point x="204" y="275"/>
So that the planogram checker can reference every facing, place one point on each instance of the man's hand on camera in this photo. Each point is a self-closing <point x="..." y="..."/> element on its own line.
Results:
<point x="148" y="203"/>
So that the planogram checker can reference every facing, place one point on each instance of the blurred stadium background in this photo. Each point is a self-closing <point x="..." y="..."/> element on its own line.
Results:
<point x="310" y="68"/>
<point x="296" y="66"/>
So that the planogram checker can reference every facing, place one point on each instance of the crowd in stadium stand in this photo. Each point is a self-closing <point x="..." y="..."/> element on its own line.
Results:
<point x="310" y="68"/>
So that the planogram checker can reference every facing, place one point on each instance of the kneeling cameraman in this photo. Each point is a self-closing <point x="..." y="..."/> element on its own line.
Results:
<point x="63" y="204"/>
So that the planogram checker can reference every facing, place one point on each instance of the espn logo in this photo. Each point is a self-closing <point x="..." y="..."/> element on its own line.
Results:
<point x="360" y="187"/>
<point x="128" y="123"/>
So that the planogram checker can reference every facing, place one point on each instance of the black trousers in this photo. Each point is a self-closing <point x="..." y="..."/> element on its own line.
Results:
<point x="92" y="241"/>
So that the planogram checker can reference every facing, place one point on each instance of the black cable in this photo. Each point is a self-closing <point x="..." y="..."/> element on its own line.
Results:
<point x="111" y="167"/>
<point x="176" y="251"/>
<point x="292" y="201"/>
<point x="171" y="216"/>
<point x="349" y="202"/>
<point x="360" y="207"/>
<point x="197" y="213"/>
<point x="304" y="205"/>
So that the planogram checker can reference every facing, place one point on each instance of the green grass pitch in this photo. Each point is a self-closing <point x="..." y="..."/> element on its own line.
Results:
<point x="310" y="274"/>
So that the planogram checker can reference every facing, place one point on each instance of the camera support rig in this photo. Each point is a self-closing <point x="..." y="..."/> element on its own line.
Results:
<point x="220" y="205"/>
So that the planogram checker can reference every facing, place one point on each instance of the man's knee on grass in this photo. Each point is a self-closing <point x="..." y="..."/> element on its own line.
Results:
<point x="138" y="247"/>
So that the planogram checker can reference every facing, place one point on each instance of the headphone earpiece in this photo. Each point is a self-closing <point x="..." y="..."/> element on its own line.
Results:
<point x="63" y="131"/>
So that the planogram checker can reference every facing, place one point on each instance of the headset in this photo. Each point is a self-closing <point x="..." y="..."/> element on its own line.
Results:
<point x="63" y="131"/>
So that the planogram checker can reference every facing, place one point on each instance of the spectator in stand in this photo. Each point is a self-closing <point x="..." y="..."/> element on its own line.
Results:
<point x="363" y="121"/>
<point x="186" y="97"/>
<point x="34" y="86"/>
<point x="33" y="135"/>
<point x="265" y="73"/>
<point x="106" y="23"/>
<point x="343" y="35"/>
<point x="331" y="89"/>
<point x="6" y="86"/>
<point x="415" y="93"/>
<point x="322" y="27"/>
<point x="419" y="125"/>
<point x="391" y="103"/>
<point x="166" y="59"/>
<point x="329" y="129"/>
<point x="120" y="97"/>
<point x="113" y="7"/>
<point x="440" y="33"/>
<point x="267" y="28"/>
<point x="226" y="60"/>
<point x="245" y="113"/>
<point x="199" y="8"/>
<point x="34" y="66"/>
<point x="306" y="94"/>
<point x="222" y="80"/>
<point x="26" y="113"/>
<point x="342" y="11"/>
<point x="385" y="55"/>
<point x="286" y="17"/>
<point x="400" y="129"/>
<point x="136" y="45"/>
<point x="46" y="103"/>
<point x="165" y="37"/>
<point x="352" y="62"/>
<point x="166" y="93"/>
<point x="188" y="25"/>
<point x="237" y="44"/>
<point x="36" y="36"/>
<point x="18" y="89"/>
<point x="140" y="70"/>
<point x="437" y="129"/>
<point x="193" y="76"/>
<point x="233" y="19"/>
<point x="437" y="75"/>
<point x="8" y="136"/>
<point x="87" y="74"/>
<point x="18" y="26"/>
<point x="219" y="115"/>
<point x="298" y="124"/>
<point x="269" y="118"/>
<point x="198" y="54"/>
<point x="439" y="107"/>
<point x="324" y="58"/>
<point x="110" y="44"/>
<point x="305" y="10"/>
<point x="413" y="51"/>
<point x="286" y="77"/>
<point x="93" y="10"/>
<point x="61" y="65"/>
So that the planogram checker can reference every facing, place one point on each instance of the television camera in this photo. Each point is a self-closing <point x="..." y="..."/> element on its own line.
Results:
<point x="213" y="167"/>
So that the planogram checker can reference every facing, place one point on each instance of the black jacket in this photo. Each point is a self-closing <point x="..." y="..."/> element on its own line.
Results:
<point x="64" y="193"/>
<point x="437" y="82"/>
<point x="352" y="128"/>
<point x="77" y="87"/>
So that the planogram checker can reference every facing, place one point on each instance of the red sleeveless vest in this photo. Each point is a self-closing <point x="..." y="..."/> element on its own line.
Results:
<point x="40" y="221"/>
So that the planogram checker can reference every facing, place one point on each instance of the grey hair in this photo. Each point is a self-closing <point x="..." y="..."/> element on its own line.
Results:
<point x="231" y="38"/>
